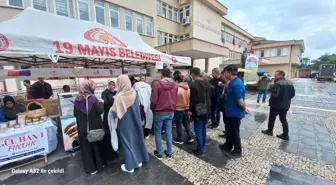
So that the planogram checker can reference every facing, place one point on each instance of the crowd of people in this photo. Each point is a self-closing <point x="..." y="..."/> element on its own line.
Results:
<point x="133" y="109"/>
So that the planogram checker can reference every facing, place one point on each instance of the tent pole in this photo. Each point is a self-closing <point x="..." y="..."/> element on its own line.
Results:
<point x="146" y="71"/>
<point x="122" y="67"/>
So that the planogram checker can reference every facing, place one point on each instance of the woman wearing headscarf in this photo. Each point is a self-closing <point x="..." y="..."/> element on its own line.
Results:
<point x="108" y="96"/>
<point x="11" y="108"/>
<point x="88" y="110"/>
<point x="126" y="110"/>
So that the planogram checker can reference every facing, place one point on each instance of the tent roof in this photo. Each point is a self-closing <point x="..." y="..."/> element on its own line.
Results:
<point x="33" y="35"/>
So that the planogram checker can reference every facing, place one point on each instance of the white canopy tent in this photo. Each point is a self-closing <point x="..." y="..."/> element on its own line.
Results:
<point x="33" y="35"/>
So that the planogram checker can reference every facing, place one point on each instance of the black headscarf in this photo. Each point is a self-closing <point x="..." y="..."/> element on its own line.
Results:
<point x="11" y="114"/>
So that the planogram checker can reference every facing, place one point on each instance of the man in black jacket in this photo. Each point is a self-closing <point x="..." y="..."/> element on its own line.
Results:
<point x="218" y="85"/>
<point x="282" y="93"/>
<point x="199" y="108"/>
<point x="41" y="89"/>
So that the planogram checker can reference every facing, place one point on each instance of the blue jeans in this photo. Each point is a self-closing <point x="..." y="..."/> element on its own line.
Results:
<point x="193" y="129"/>
<point x="163" y="119"/>
<point x="182" y="117"/>
<point x="200" y="130"/>
<point x="264" y="93"/>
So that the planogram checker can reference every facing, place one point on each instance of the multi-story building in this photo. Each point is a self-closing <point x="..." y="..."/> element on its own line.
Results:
<point x="282" y="55"/>
<point x="193" y="28"/>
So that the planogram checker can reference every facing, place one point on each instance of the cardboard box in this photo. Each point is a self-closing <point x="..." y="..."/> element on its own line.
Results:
<point x="51" y="105"/>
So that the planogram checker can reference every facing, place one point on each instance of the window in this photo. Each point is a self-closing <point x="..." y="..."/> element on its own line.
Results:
<point x="262" y="54"/>
<point x="175" y="17"/>
<point x="40" y="5"/>
<point x="164" y="10"/>
<point x="278" y="52"/>
<point x="228" y="37"/>
<point x="258" y="53"/>
<point x="181" y="15"/>
<point x="175" y="38"/>
<point x="114" y="13"/>
<point x="181" y="37"/>
<point x="17" y="3"/>
<point x="284" y="51"/>
<point x="166" y="38"/>
<point x="139" y="23"/>
<point x="187" y="11"/>
<point x="273" y="52"/>
<point x="170" y="13"/>
<point x="128" y="20"/>
<point x="62" y="7"/>
<point x="84" y="9"/>
<point x="187" y="36"/>
<point x="159" y="38"/>
<point x="267" y="53"/>
<point x="158" y="7"/>
<point x="170" y="38"/>
<point x="100" y="11"/>
<point x="149" y="26"/>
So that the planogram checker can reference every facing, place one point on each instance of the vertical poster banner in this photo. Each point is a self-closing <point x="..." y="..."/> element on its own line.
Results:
<point x="251" y="65"/>
<point x="22" y="146"/>
<point x="70" y="133"/>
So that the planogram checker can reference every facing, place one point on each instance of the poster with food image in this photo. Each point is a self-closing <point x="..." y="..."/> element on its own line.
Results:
<point x="70" y="133"/>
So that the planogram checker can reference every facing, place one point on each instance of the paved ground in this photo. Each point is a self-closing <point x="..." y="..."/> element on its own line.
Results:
<point x="307" y="159"/>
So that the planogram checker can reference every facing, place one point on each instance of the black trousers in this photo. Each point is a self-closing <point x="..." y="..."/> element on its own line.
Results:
<point x="233" y="134"/>
<point x="225" y="122"/>
<point x="274" y="112"/>
<point x="215" y="114"/>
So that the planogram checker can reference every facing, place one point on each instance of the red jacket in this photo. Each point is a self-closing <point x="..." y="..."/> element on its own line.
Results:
<point x="29" y="96"/>
<point x="164" y="95"/>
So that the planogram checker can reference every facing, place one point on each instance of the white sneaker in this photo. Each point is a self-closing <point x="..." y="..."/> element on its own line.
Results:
<point x="140" y="165"/>
<point x="123" y="168"/>
<point x="94" y="172"/>
<point x="147" y="137"/>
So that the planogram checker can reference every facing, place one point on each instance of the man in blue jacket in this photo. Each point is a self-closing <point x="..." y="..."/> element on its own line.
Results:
<point x="235" y="109"/>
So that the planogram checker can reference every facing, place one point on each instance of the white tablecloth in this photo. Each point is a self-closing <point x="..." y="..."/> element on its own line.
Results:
<point x="48" y="125"/>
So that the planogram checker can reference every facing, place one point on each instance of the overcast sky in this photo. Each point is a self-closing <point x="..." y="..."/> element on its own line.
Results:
<point x="314" y="21"/>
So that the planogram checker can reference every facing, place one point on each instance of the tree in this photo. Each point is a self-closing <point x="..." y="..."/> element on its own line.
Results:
<point x="324" y="59"/>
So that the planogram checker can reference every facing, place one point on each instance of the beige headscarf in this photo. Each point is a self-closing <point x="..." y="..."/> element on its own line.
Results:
<point x="125" y="96"/>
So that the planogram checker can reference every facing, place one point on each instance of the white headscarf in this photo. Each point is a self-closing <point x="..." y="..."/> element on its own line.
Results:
<point x="125" y="96"/>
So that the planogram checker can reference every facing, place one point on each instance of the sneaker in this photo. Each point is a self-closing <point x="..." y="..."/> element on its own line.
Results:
<point x="198" y="154"/>
<point x="178" y="142"/>
<point x="267" y="132"/>
<point x="213" y="126"/>
<point x="258" y="101"/>
<point x="147" y="137"/>
<point x="169" y="156"/>
<point x="190" y="140"/>
<point x="157" y="155"/>
<point x="233" y="154"/>
<point x="140" y="165"/>
<point x="123" y="168"/>
<point x="94" y="172"/>
<point x="282" y="136"/>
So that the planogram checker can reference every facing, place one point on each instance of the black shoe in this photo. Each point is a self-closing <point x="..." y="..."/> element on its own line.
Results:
<point x="157" y="155"/>
<point x="233" y="154"/>
<point x="258" y="101"/>
<point x="222" y="135"/>
<point x="213" y="126"/>
<point x="198" y="154"/>
<point x="284" y="137"/>
<point x="169" y="156"/>
<point x="225" y="148"/>
<point x="267" y="132"/>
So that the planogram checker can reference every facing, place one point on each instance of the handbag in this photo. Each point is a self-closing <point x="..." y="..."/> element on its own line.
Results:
<point x="95" y="134"/>
<point x="201" y="108"/>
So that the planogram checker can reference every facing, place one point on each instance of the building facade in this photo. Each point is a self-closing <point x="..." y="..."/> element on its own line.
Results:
<point x="193" y="28"/>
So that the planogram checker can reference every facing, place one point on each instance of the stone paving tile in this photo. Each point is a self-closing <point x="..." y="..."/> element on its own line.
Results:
<point x="281" y="175"/>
